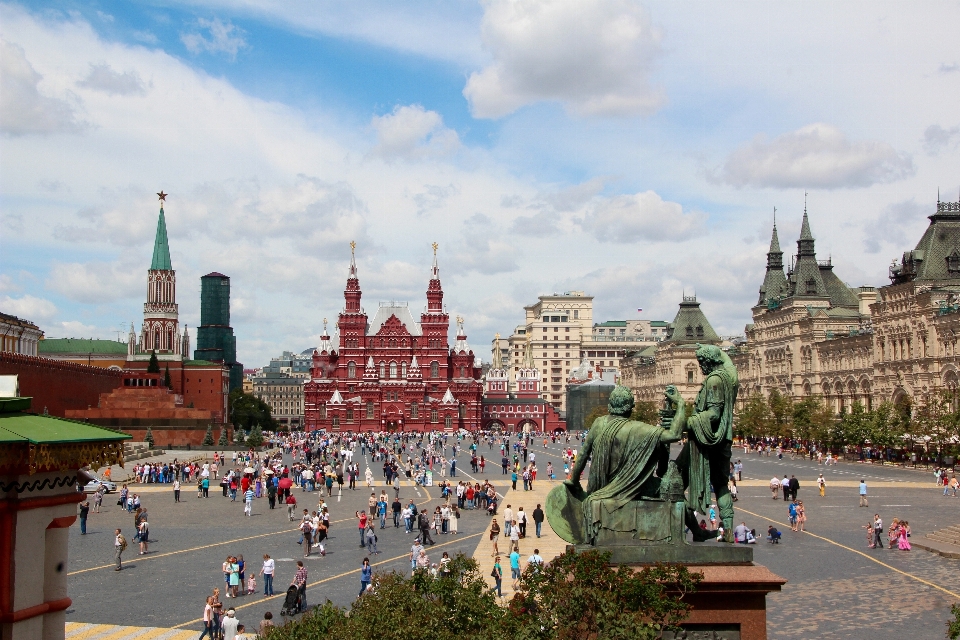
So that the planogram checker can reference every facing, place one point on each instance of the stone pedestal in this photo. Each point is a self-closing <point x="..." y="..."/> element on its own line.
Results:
<point x="730" y="603"/>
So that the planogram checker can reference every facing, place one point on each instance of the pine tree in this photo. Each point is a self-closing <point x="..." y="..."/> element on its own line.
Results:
<point x="166" y="378"/>
<point x="239" y="436"/>
<point x="255" y="439"/>
<point x="154" y="366"/>
<point x="149" y="437"/>
<point x="222" y="442"/>
<point x="208" y="437"/>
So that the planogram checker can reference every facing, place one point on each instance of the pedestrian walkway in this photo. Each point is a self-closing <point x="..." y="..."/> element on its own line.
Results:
<point x="83" y="631"/>
<point x="549" y="543"/>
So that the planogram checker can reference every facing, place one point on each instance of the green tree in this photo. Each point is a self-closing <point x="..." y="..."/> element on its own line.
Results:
<point x="593" y="415"/>
<point x="953" y="626"/>
<point x="857" y="425"/>
<point x="166" y="378"/>
<point x="886" y="428"/>
<point x="646" y="411"/>
<point x="148" y="438"/>
<point x="255" y="439"/>
<point x="781" y="412"/>
<point x="246" y="411"/>
<point x="812" y="420"/>
<point x="754" y="419"/>
<point x="223" y="442"/>
<point x="154" y="365"/>
<point x="208" y="437"/>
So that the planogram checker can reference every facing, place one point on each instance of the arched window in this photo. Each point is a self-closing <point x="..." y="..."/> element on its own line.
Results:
<point x="170" y="339"/>
<point x="434" y="369"/>
<point x="463" y="372"/>
<point x="463" y="411"/>
<point x="403" y="370"/>
<point x="351" y="369"/>
<point x="434" y="416"/>
<point x="156" y="339"/>
<point x="349" y="416"/>
<point x="414" y="411"/>
<point x="369" y="409"/>
<point x="336" y="422"/>
<point x="448" y="422"/>
<point x="393" y="369"/>
<point x="323" y="412"/>
<point x="383" y="370"/>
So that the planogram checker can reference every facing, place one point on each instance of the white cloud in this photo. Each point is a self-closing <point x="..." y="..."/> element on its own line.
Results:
<point x="594" y="56"/>
<point x="97" y="282"/>
<point x="72" y="329"/>
<point x="28" y="307"/>
<point x="412" y="132"/>
<point x="642" y="216"/>
<point x="817" y="156"/>
<point x="7" y="283"/>
<point x="433" y="197"/>
<point x="937" y="139"/>
<point x="225" y="37"/>
<point x="23" y="108"/>
<point x="483" y="249"/>
<point x="102" y="77"/>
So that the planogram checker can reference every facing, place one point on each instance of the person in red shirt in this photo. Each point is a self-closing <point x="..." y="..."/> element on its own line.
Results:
<point x="244" y="484"/>
<point x="362" y="525"/>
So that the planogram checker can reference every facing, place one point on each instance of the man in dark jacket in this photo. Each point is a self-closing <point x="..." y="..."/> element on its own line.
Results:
<point x="794" y="487"/>
<point x="423" y="523"/>
<point x="538" y="518"/>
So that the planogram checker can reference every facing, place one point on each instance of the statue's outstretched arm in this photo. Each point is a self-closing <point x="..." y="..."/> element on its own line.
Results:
<point x="679" y="420"/>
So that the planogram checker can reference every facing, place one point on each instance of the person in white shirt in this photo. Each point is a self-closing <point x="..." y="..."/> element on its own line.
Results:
<point x="229" y="625"/>
<point x="775" y="487"/>
<point x="507" y="520"/>
<point x="535" y="559"/>
<point x="267" y="573"/>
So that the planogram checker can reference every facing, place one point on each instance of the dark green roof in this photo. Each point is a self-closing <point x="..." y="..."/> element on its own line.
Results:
<point x="199" y="363"/>
<point x="937" y="255"/>
<point x="612" y="323"/>
<point x="840" y="294"/>
<point x="161" y="248"/>
<point x="659" y="323"/>
<point x="83" y="346"/>
<point x="691" y="325"/>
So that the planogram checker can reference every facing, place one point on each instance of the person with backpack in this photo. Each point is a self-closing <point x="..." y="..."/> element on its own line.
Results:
<point x="120" y="545"/>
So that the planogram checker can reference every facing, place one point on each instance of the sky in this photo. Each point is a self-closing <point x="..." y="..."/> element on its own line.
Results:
<point x="634" y="151"/>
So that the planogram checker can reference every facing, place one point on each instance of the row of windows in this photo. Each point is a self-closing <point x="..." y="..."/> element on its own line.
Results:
<point x="370" y="413"/>
<point x="394" y="370"/>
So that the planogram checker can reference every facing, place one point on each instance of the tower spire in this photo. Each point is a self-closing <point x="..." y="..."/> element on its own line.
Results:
<point x="435" y="271"/>
<point x="161" y="247"/>
<point x="353" y="259"/>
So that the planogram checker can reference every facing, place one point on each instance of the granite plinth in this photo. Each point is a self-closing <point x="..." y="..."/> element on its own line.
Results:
<point x="689" y="554"/>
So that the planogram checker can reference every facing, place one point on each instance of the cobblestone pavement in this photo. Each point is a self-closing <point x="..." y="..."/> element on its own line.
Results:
<point x="835" y="588"/>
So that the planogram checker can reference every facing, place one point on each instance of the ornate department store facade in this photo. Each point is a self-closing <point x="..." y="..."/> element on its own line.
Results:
<point x="812" y="335"/>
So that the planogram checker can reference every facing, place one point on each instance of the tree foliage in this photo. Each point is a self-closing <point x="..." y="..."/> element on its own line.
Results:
<point x="208" y="437"/>
<point x="646" y="411"/>
<point x="593" y="415"/>
<point x="148" y="438"/>
<point x="166" y="377"/>
<point x="154" y="365"/>
<point x="247" y="411"/>
<point x="223" y="442"/>
<point x="576" y="596"/>
<point x="255" y="439"/>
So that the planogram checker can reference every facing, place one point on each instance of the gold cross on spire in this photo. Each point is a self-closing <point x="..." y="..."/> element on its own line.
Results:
<point x="353" y="247"/>
<point x="435" y="247"/>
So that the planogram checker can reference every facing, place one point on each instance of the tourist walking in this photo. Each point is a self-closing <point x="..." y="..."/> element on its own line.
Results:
<point x="120" y="545"/>
<point x="497" y="575"/>
<point x="371" y="539"/>
<point x="822" y="485"/>
<point x="495" y="536"/>
<point x="863" y="494"/>
<point x="877" y="531"/>
<point x="208" y="620"/>
<point x="176" y="490"/>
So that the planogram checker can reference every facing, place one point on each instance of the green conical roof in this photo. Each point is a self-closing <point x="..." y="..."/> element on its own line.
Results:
<point x="161" y="248"/>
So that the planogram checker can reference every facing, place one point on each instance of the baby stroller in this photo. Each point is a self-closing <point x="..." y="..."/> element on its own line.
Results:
<point x="293" y="602"/>
<point x="492" y="508"/>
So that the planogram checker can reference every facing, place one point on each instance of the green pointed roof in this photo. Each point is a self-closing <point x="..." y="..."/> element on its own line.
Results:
<point x="161" y="248"/>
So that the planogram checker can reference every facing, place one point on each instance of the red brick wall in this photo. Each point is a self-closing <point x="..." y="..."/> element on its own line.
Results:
<point x="175" y="436"/>
<point x="59" y="385"/>
<point x="206" y="388"/>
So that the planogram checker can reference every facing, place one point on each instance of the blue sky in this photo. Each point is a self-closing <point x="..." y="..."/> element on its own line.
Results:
<point x="605" y="145"/>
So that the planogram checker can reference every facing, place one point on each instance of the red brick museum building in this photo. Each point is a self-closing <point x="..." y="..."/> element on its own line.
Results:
<point x="393" y="373"/>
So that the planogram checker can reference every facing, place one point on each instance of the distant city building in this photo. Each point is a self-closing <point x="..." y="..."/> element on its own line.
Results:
<point x="215" y="339"/>
<point x="393" y="373"/>
<point x="284" y="394"/>
<point x="18" y="335"/>
<point x="671" y="361"/>
<point x="523" y="409"/>
<point x="560" y="330"/>
<point x="292" y="364"/>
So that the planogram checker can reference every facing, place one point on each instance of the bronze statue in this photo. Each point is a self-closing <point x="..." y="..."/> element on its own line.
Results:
<point x="705" y="459"/>
<point x="628" y="462"/>
<point x="634" y="502"/>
